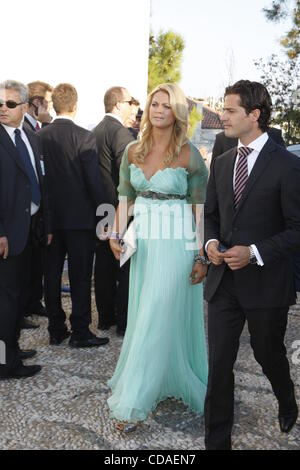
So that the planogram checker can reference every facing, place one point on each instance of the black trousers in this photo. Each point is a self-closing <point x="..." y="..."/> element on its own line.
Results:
<point x="79" y="246"/>
<point x="14" y="274"/>
<point x="297" y="271"/>
<point x="111" y="286"/>
<point x="35" y="291"/>
<point x="267" y="327"/>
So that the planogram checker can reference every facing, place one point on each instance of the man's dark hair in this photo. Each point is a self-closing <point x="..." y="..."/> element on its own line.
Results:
<point x="253" y="95"/>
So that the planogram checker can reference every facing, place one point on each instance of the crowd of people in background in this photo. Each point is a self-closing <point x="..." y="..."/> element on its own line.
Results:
<point x="54" y="175"/>
<point x="75" y="171"/>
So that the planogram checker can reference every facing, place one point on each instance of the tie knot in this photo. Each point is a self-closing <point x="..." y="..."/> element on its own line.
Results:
<point x="17" y="132"/>
<point x="244" y="151"/>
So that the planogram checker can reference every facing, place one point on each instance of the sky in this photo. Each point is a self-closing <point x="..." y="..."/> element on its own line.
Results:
<point x="93" y="44"/>
<point x="214" y="31"/>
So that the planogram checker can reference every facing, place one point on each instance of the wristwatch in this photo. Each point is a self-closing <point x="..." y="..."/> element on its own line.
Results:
<point x="253" y="259"/>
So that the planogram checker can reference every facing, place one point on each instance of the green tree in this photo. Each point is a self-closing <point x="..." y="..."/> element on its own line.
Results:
<point x="281" y="9"/>
<point x="194" y="118"/>
<point x="280" y="78"/>
<point x="165" y="57"/>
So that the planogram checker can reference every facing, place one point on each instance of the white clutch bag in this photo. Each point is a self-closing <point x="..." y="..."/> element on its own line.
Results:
<point x="129" y="244"/>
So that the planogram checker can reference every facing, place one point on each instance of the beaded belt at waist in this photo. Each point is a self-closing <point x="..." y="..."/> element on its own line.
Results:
<point x="161" y="196"/>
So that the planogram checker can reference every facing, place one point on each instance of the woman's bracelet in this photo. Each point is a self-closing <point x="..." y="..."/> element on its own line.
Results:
<point x="201" y="260"/>
<point x="115" y="235"/>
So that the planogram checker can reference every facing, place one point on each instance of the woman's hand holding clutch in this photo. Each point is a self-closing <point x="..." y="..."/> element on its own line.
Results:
<point x="198" y="273"/>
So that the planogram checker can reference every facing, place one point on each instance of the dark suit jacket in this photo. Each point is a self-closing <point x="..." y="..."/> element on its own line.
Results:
<point x="15" y="193"/>
<point x="223" y="143"/>
<point x="29" y="126"/>
<point x="268" y="216"/>
<point x="72" y="175"/>
<point x="112" y="138"/>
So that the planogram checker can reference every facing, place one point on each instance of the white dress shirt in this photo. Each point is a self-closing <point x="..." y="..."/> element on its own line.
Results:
<point x="257" y="146"/>
<point x="62" y="116"/>
<point x="12" y="135"/>
<point x="32" y="121"/>
<point x="118" y="118"/>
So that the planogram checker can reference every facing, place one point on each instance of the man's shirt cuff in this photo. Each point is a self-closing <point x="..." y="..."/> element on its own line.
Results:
<point x="258" y="257"/>
<point x="211" y="240"/>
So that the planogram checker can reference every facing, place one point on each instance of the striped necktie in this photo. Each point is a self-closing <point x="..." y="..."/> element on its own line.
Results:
<point x="241" y="174"/>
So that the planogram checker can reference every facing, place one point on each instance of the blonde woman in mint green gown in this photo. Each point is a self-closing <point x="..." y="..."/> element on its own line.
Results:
<point x="164" y="348"/>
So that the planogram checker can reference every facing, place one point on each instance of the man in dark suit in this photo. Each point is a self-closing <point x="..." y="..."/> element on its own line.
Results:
<point x="112" y="138"/>
<point x="24" y="221"/>
<point x="224" y="143"/>
<point x="37" y="115"/>
<point x="253" y="209"/>
<point x="74" y="182"/>
<point x="40" y="99"/>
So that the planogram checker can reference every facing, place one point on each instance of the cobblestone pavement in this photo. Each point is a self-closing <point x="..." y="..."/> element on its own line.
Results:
<point x="64" y="407"/>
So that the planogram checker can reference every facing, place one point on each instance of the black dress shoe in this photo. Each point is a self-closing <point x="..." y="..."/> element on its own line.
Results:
<point x="28" y="325"/>
<point x="26" y="354"/>
<point x="22" y="372"/>
<point x="90" y="342"/>
<point x="287" y="420"/>
<point x="57" y="340"/>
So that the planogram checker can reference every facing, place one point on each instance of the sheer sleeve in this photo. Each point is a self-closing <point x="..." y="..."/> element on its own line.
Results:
<point x="197" y="178"/>
<point x="125" y="188"/>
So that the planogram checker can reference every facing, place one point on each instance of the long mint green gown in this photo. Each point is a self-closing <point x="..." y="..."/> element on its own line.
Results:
<point x="164" y="349"/>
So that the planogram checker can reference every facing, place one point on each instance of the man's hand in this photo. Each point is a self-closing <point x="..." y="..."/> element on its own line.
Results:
<point x="104" y="235"/>
<point x="237" y="257"/>
<point x="4" y="247"/>
<point x="198" y="273"/>
<point x="49" y="239"/>
<point x="214" y="254"/>
<point x="116" y="248"/>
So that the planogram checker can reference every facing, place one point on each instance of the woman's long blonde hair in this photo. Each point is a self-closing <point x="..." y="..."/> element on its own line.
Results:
<point x="179" y="137"/>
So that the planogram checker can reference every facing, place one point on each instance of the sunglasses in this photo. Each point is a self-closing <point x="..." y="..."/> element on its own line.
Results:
<point x="10" y="104"/>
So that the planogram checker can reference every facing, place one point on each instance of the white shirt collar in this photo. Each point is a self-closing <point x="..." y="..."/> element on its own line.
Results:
<point x="31" y="119"/>
<point x="118" y="118"/>
<point x="62" y="116"/>
<point x="11" y="130"/>
<point x="258" y="143"/>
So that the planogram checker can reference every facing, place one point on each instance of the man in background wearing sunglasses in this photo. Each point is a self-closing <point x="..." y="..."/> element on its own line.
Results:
<point x="112" y="138"/>
<point x="22" y="199"/>
<point x="37" y="116"/>
<point x="40" y="101"/>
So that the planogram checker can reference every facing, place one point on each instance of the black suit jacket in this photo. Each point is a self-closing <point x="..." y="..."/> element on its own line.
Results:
<point x="112" y="138"/>
<point x="268" y="216"/>
<point x="27" y="124"/>
<point x="72" y="175"/>
<point x="15" y="193"/>
<point x="223" y="143"/>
